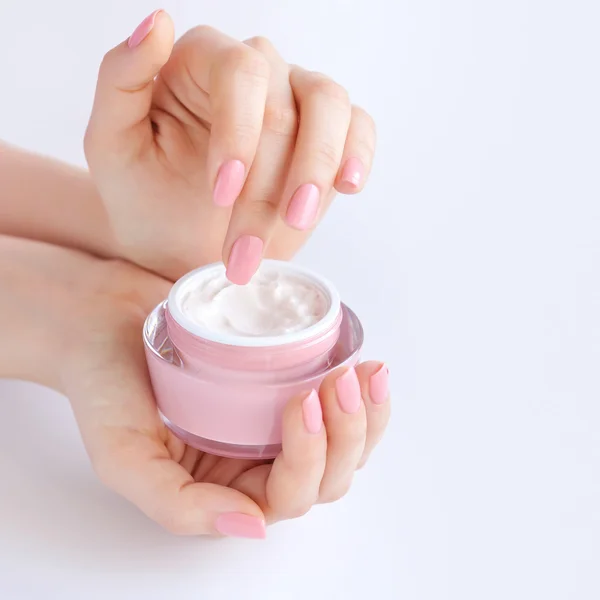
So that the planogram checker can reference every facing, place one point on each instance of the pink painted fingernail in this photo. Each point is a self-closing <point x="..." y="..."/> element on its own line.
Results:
<point x="378" y="385"/>
<point x="303" y="208"/>
<point x="353" y="172"/>
<point x="230" y="182"/>
<point x="241" y="525"/>
<point x="348" y="391"/>
<point x="244" y="259"/>
<point x="312" y="413"/>
<point x="142" y="30"/>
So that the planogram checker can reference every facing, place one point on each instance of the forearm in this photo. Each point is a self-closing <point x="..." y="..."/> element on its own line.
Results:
<point x="44" y="199"/>
<point x="41" y="287"/>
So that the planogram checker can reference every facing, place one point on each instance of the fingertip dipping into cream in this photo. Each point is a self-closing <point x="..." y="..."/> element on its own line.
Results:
<point x="244" y="259"/>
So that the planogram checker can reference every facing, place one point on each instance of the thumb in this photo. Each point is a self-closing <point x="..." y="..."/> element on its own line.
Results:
<point x="139" y="468"/>
<point x="119" y="121"/>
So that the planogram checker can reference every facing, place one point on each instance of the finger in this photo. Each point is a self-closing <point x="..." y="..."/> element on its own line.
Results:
<point x="293" y="483"/>
<point x="325" y="112"/>
<point x="256" y="211"/>
<point x="236" y="78"/>
<point x="139" y="468"/>
<point x="374" y="384"/>
<point x="346" y="425"/>
<point x="358" y="153"/>
<point x="119" y="124"/>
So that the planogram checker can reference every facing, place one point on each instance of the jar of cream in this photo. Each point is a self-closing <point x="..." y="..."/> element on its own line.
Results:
<point x="225" y="359"/>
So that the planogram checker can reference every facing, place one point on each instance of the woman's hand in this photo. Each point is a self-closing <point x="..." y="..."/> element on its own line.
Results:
<point x="213" y="149"/>
<point x="326" y="436"/>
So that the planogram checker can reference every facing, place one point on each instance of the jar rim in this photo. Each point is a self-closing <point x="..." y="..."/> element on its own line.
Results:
<point x="330" y="293"/>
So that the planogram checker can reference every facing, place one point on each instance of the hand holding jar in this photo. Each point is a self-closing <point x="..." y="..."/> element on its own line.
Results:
<point x="75" y="325"/>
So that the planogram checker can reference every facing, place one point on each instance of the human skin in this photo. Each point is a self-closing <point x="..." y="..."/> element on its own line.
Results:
<point x="156" y="149"/>
<point x="211" y="149"/>
<point x="73" y="322"/>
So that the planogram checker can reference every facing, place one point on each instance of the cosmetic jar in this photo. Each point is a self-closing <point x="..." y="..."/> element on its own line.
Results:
<point x="224" y="392"/>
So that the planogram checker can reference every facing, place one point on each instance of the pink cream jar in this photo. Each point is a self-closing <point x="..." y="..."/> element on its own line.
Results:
<point x="224" y="360"/>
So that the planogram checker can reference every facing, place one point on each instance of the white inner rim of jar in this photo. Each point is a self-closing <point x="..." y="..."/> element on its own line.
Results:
<point x="191" y="280"/>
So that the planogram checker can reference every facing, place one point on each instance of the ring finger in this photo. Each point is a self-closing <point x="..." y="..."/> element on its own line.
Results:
<point x="325" y="114"/>
<point x="346" y="426"/>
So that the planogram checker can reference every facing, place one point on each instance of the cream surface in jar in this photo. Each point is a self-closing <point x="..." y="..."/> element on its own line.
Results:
<point x="273" y="303"/>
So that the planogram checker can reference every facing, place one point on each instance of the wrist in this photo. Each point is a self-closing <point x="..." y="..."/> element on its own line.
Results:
<point x="28" y="180"/>
<point x="41" y="285"/>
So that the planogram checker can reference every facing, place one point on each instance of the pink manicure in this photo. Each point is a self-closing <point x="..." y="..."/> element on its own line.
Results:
<point x="142" y="30"/>
<point x="353" y="172"/>
<point x="378" y="385"/>
<point x="348" y="392"/>
<point x="312" y="413"/>
<point x="303" y="208"/>
<point x="241" y="525"/>
<point x="244" y="259"/>
<point x="230" y="182"/>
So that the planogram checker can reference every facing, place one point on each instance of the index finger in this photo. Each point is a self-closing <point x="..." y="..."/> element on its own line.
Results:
<point x="234" y="79"/>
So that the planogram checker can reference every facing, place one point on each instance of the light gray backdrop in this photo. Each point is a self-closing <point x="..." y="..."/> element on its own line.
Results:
<point x="473" y="259"/>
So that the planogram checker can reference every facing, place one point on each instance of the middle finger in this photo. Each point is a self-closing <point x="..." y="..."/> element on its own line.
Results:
<point x="255" y="212"/>
<point x="325" y="114"/>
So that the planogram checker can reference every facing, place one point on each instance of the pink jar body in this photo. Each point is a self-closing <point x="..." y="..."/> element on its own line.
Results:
<point x="224" y="411"/>
<point x="229" y="400"/>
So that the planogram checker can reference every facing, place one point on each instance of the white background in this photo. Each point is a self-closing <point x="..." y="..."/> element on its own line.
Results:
<point x="474" y="261"/>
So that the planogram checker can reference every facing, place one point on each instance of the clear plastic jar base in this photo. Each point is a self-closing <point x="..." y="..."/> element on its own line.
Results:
<point x="268" y="452"/>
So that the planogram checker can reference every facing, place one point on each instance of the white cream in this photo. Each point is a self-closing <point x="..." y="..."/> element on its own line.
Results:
<point x="272" y="304"/>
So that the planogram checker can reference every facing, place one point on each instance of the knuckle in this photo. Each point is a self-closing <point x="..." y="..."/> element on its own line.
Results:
<point x="259" y="209"/>
<point x="298" y="511"/>
<point x="280" y="119"/>
<point x="245" y="134"/>
<point x="361" y="114"/>
<point x="364" y="147"/>
<point x="260" y="43"/>
<point x="324" y="86"/>
<point x="246" y="61"/>
<point x="328" y="155"/>
<point x="198" y="32"/>
<point x="367" y="130"/>
<point x="334" y="494"/>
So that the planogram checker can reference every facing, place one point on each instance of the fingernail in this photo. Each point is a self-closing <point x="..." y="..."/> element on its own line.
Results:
<point x="229" y="184"/>
<point x="241" y="525"/>
<point x="378" y="385"/>
<point x="348" y="391"/>
<point x="142" y="30"/>
<point x="353" y="172"/>
<point x="303" y="208"/>
<point x="244" y="259"/>
<point x="312" y="413"/>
